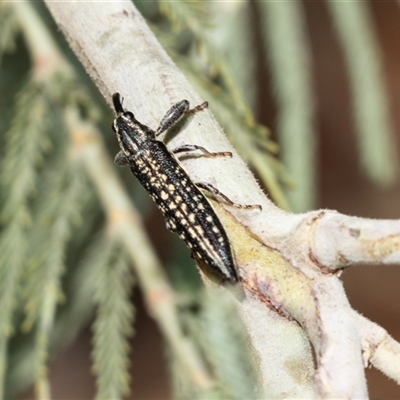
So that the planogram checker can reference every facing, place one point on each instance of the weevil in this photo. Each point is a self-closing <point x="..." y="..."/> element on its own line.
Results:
<point x="186" y="209"/>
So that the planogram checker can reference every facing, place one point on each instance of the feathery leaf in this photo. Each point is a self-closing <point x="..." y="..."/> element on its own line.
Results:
<point x="26" y="142"/>
<point x="289" y="58"/>
<point x="113" y="324"/>
<point x="369" y="95"/>
<point x="8" y="29"/>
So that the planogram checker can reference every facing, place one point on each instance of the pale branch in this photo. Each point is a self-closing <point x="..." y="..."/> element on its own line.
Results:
<point x="340" y="240"/>
<point x="305" y="296"/>
<point x="286" y="262"/>
<point x="379" y="348"/>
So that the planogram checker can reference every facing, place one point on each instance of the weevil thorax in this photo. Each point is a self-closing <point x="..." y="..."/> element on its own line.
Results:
<point x="131" y="134"/>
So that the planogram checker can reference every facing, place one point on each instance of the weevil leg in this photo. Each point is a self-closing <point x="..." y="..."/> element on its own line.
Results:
<point x="172" y="116"/>
<point x="121" y="159"/>
<point x="187" y="148"/>
<point x="217" y="195"/>
<point x="198" y="108"/>
<point x="176" y="113"/>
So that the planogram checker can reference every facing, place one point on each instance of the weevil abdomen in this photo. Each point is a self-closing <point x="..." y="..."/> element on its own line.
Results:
<point x="187" y="211"/>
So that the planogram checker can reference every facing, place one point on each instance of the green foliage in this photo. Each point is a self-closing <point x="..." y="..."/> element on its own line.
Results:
<point x="222" y="331"/>
<point x="218" y="331"/>
<point x="72" y="314"/>
<point x="186" y="15"/>
<point x="50" y="233"/>
<point x="113" y="324"/>
<point x="288" y="53"/>
<point x="47" y="255"/>
<point x="26" y="143"/>
<point x="355" y="29"/>
<point x="43" y="194"/>
<point x="8" y="29"/>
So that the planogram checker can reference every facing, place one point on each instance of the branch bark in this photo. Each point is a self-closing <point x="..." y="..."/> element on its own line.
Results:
<point x="288" y="263"/>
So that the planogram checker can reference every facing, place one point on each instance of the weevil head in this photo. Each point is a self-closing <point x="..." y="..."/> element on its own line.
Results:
<point x="122" y="115"/>
<point x="130" y="132"/>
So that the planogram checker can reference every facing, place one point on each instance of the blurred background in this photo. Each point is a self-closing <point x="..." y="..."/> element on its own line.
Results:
<point x="346" y="150"/>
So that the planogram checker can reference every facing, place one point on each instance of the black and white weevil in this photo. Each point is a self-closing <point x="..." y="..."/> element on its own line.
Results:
<point x="186" y="210"/>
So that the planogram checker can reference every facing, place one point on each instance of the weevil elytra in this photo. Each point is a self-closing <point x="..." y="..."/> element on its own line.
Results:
<point x="186" y="209"/>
